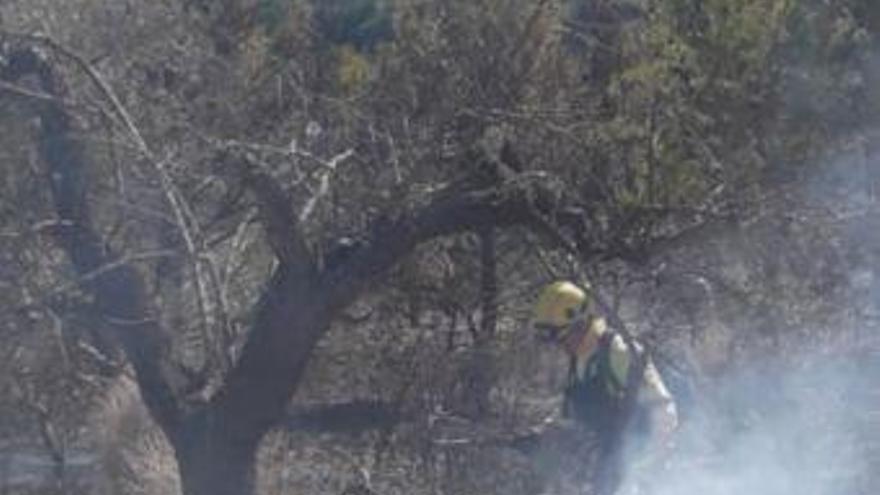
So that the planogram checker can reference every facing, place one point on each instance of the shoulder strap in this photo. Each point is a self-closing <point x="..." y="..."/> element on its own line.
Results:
<point x="572" y="370"/>
<point x="600" y="362"/>
<point x="604" y="369"/>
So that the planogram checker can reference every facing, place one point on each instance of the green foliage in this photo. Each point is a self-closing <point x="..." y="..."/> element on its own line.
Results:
<point x="717" y="91"/>
<point x="272" y="14"/>
<point x="352" y="67"/>
<point x="359" y="23"/>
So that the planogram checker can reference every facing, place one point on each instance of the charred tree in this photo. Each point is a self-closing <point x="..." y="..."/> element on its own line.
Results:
<point x="216" y="436"/>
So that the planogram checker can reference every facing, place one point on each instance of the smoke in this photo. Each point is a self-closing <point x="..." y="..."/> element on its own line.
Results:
<point x="803" y="430"/>
<point x="793" y="406"/>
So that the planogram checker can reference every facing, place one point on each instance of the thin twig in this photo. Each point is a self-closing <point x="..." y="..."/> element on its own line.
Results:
<point x="28" y="93"/>
<point x="324" y="185"/>
<point x="108" y="267"/>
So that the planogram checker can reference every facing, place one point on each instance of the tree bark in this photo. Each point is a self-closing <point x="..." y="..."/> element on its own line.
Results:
<point x="213" y="459"/>
<point x="217" y="470"/>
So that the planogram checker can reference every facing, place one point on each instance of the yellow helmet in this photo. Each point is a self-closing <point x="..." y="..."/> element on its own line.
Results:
<point x="557" y="307"/>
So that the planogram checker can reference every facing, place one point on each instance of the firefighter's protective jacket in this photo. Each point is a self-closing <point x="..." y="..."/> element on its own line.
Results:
<point x="597" y="386"/>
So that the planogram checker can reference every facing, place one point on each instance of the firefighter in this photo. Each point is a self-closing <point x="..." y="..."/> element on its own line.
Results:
<point x="600" y="362"/>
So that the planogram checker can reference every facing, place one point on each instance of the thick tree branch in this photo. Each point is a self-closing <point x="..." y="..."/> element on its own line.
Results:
<point x="186" y="223"/>
<point x="282" y="229"/>
<point x="290" y="317"/>
<point x="119" y="293"/>
<point x="450" y="212"/>
<point x="287" y="322"/>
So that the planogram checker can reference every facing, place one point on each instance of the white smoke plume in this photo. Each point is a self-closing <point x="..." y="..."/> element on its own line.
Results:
<point x="807" y="430"/>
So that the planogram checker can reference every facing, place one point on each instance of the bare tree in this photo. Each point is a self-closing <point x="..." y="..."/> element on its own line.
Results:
<point x="215" y="438"/>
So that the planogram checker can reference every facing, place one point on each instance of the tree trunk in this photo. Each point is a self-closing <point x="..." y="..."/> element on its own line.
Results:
<point x="213" y="461"/>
